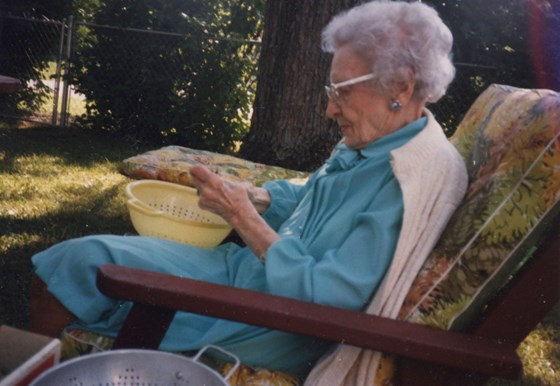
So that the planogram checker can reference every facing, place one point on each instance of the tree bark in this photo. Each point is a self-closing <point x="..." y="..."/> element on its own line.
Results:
<point x="289" y="127"/>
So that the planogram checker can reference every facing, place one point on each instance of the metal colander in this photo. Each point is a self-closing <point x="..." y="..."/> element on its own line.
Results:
<point x="135" y="368"/>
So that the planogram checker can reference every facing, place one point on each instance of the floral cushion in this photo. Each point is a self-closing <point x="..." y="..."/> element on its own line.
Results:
<point x="76" y="343"/>
<point x="510" y="139"/>
<point x="173" y="163"/>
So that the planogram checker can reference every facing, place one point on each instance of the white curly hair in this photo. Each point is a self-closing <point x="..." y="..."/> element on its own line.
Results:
<point x="396" y="37"/>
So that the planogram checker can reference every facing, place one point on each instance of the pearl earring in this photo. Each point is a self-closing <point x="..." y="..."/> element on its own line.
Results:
<point x="395" y="105"/>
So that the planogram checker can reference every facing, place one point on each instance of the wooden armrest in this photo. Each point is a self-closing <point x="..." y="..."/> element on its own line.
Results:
<point x="153" y="291"/>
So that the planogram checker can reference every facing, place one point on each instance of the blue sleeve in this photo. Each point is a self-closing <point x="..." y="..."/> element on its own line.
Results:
<point x="285" y="197"/>
<point x="347" y="276"/>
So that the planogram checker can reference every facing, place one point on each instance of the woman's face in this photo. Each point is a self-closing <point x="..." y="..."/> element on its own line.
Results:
<point x="361" y="111"/>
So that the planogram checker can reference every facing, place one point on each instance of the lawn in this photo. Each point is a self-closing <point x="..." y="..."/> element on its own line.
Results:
<point x="54" y="185"/>
<point x="57" y="184"/>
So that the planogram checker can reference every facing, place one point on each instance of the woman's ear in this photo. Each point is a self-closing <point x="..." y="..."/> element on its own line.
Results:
<point x="405" y="89"/>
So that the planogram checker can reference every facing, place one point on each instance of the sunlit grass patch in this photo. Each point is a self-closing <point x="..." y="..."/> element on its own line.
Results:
<point x="540" y="354"/>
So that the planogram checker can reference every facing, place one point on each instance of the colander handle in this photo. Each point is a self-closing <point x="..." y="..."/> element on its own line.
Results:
<point x="226" y="353"/>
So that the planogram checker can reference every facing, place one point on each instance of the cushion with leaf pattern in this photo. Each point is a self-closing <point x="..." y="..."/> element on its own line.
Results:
<point x="510" y="140"/>
<point x="172" y="164"/>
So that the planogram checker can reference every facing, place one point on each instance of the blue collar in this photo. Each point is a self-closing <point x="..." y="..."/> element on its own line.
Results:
<point x="344" y="158"/>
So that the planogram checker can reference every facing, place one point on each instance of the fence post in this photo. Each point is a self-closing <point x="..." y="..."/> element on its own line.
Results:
<point x="2" y="19"/>
<point x="58" y="73"/>
<point x="66" y="78"/>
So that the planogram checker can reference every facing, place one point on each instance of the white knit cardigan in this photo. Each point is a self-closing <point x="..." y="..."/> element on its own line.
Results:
<point x="433" y="180"/>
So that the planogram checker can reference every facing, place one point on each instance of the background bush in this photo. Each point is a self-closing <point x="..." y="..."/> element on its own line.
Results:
<point x="195" y="89"/>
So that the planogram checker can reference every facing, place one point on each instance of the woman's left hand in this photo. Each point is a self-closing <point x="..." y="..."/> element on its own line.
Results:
<point x="223" y="197"/>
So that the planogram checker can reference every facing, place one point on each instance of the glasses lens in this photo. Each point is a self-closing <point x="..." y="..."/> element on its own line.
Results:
<point x="331" y="92"/>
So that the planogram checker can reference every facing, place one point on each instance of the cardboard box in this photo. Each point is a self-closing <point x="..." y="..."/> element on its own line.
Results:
<point x="24" y="355"/>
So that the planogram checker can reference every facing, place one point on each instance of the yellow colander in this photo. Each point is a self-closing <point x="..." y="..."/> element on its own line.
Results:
<point x="170" y="211"/>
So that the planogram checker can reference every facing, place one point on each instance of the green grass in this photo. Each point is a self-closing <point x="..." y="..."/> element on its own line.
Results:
<point x="54" y="185"/>
<point x="58" y="184"/>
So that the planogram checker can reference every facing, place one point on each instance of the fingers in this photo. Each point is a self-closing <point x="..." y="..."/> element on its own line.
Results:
<point x="210" y="188"/>
<point x="202" y="178"/>
<point x="200" y="174"/>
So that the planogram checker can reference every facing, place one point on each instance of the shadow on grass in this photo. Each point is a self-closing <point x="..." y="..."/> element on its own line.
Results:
<point x="21" y="236"/>
<point x="30" y="236"/>
<point x="72" y="146"/>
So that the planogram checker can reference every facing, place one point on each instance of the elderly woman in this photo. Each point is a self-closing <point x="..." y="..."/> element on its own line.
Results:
<point x="330" y="241"/>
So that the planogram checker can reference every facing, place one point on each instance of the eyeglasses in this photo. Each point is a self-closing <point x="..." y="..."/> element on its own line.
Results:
<point x="333" y="88"/>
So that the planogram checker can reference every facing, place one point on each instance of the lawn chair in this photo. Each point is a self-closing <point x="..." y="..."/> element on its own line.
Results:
<point x="493" y="275"/>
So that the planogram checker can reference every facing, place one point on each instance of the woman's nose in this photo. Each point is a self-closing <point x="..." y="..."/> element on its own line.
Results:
<point x="333" y="109"/>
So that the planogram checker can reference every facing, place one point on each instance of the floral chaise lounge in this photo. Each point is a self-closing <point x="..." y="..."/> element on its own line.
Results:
<point x="510" y="140"/>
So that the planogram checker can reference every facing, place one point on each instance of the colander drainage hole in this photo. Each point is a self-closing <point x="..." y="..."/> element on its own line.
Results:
<point x="75" y="382"/>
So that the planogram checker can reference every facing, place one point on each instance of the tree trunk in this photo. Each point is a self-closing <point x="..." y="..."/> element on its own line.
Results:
<point x="289" y="127"/>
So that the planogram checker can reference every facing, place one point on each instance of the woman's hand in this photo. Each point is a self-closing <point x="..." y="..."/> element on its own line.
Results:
<point x="223" y="197"/>
<point x="239" y="204"/>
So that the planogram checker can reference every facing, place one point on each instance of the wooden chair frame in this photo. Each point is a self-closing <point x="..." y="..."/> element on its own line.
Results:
<point x="427" y="356"/>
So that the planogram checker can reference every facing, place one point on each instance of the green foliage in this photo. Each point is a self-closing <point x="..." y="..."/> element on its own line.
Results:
<point x="194" y="88"/>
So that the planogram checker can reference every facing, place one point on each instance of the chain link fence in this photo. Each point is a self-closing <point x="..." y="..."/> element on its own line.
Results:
<point x="26" y="43"/>
<point x="55" y="55"/>
<point x="144" y="81"/>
